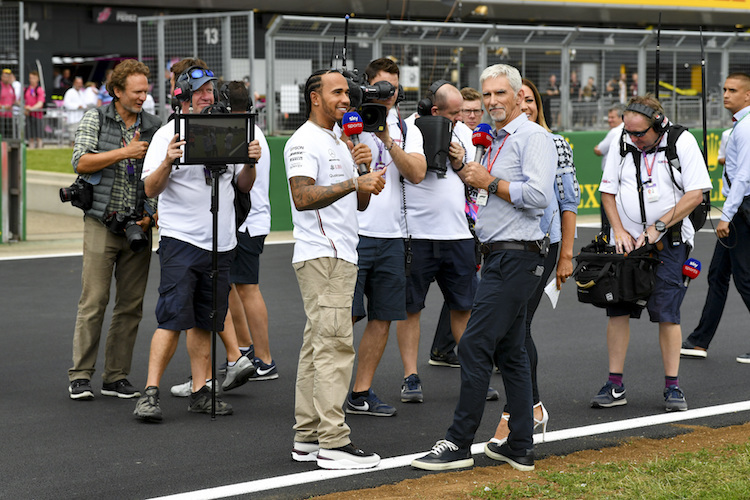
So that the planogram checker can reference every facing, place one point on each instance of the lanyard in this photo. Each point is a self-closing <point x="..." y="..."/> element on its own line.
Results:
<point x="649" y="168"/>
<point x="491" y="162"/>
<point x="738" y="122"/>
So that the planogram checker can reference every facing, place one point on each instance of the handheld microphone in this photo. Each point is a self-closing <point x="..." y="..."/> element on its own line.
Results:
<point x="481" y="139"/>
<point x="690" y="270"/>
<point x="353" y="126"/>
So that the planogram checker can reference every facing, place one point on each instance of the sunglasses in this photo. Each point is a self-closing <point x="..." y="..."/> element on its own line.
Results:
<point x="637" y="134"/>
<point x="199" y="73"/>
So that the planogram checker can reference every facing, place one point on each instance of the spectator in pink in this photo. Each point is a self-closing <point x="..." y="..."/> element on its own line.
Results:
<point x="33" y="103"/>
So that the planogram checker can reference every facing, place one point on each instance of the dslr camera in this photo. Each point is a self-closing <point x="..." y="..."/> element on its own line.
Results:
<point x="361" y="93"/>
<point x="80" y="194"/>
<point x="126" y="222"/>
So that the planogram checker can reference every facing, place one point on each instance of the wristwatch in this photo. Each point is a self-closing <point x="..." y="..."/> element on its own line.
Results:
<point x="492" y="188"/>
<point x="660" y="226"/>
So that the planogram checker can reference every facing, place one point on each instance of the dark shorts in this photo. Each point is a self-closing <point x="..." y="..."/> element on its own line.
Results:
<point x="185" y="290"/>
<point x="381" y="279"/>
<point x="246" y="265"/>
<point x="452" y="264"/>
<point x="664" y="304"/>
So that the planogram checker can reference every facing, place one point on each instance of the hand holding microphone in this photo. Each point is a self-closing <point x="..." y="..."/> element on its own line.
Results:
<point x="482" y="139"/>
<point x="353" y="126"/>
<point x="690" y="270"/>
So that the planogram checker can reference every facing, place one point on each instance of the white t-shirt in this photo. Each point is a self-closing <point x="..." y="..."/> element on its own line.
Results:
<point x="435" y="207"/>
<point x="382" y="218"/>
<point x="258" y="221"/>
<point x="185" y="204"/>
<point x="619" y="178"/>
<point x="612" y="137"/>
<point x="723" y="144"/>
<point x="74" y="102"/>
<point x="330" y="231"/>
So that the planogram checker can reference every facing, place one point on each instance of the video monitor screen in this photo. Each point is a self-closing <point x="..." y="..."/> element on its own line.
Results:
<point x="215" y="139"/>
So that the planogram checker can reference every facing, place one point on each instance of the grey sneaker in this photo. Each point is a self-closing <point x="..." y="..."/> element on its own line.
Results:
<point x="411" y="389"/>
<point x="238" y="374"/>
<point x="674" y="399"/>
<point x="185" y="389"/>
<point x="80" y="389"/>
<point x="147" y="408"/>
<point x="200" y="402"/>
<point x="610" y="395"/>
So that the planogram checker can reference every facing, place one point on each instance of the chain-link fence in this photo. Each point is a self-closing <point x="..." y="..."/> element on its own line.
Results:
<point x="11" y="61"/>
<point x="580" y="72"/>
<point x="225" y="41"/>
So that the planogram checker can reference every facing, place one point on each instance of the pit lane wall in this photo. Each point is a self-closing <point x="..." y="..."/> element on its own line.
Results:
<point x="588" y="167"/>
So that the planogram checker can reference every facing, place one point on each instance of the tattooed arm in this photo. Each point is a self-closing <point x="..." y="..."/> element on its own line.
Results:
<point x="309" y="196"/>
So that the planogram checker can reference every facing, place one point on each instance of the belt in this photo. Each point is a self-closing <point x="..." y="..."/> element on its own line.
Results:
<point x="494" y="246"/>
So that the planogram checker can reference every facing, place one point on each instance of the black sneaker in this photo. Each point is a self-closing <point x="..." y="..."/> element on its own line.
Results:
<point x="444" y="456"/>
<point x="346" y="457"/>
<point x="147" y="408"/>
<point x="504" y="453"/>
<point x="200" y="402"/>
<point x="120" y="389"/>
<point x="444" y="359"/>
<point x="264" y="371"/>
<point x="80" y="389"/>
<point x="674" y="399"/>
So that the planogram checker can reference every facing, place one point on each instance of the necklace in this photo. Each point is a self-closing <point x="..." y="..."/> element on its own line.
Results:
<point x="327" y="131"/>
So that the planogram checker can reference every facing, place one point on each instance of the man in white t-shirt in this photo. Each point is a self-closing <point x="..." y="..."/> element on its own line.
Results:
<point x="326" y="193"/>
<point x="74" y="103"/>
<point x="614" y="120"/>
<point x="667" y="202"/>
<point x="381" y="276"/>
<point x="438" y="231"/>
<point x="185" y="249"/>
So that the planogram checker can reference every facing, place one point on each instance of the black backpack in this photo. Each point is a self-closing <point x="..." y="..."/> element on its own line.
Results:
<point x="699" y="213"/>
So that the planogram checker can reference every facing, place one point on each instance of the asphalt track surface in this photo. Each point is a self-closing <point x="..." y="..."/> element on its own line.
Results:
<point x="54" y="447"/>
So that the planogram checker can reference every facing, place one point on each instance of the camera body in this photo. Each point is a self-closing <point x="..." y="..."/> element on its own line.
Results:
<point x="125" y="221"/>
<point x="361" y="94"/>
<point x="80" y="194"/>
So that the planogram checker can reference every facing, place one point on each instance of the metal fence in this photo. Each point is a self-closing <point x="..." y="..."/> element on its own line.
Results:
<point x="618" y="62"/>
<point x="225" y="41"/>
<point x="11" y="58"/>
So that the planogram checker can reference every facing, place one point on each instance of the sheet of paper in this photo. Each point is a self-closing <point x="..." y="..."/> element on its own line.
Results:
<point x="552" y="292"/>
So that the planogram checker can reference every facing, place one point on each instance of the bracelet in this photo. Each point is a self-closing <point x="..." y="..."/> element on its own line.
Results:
<point x="356" y="185"/>
<point x="459" y="169"/>
<point x="393" y="143"/>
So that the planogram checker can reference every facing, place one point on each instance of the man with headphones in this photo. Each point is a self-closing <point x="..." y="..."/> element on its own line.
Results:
<point x="186" y="241"/>
<point x="668" y="195"/>
<point x="435" y="223"/>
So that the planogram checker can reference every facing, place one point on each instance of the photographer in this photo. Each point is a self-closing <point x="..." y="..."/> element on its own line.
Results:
<point x="381" y="242"/>
<point x="186" y="241"/>
<point x="110" y="144"/>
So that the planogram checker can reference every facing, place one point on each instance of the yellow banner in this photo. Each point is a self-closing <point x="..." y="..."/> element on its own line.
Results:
<point x="677" y="4"/>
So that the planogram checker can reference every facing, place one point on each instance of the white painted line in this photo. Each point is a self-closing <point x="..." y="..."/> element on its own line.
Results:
<point x="42" y="256"/>
<point x="272" y="483"/>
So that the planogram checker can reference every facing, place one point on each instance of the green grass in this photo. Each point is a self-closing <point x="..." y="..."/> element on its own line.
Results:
<point x="50" y="160"/>
<point x="717" y="474"/>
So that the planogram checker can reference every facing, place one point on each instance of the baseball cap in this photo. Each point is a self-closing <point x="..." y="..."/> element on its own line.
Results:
<point x="6" y="70"/>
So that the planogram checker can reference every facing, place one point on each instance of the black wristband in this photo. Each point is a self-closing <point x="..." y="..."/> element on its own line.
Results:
<point x="459" y="169"/>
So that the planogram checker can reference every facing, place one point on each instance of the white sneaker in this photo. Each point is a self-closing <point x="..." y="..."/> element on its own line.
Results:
<point x="184" y="390"/>
<point x="346" y="457"/>
<point x="238" y="374"/>
<point x="305" y="452"/>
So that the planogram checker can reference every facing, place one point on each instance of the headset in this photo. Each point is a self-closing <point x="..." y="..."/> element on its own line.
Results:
<point x="660" y="122"/>
<point x="224" y="97"/>
<point x="182" y="86"/>
<point x="424" y="107"/>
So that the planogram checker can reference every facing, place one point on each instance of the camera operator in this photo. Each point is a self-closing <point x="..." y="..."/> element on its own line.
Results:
<point x="442" y="245"/>
<point x="381" y="242"/>
<point x="185" y="229"/>
<point x="110" y="144"/>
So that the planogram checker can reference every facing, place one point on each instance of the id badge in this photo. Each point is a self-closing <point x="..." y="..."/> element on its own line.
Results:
<point x="651" y="192"/>
<point x="482" y="197"/>
<point x="378" y="166"/>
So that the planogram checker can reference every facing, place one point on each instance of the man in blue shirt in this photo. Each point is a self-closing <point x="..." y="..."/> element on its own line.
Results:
<point x="514" y="189"/>
<point x="731" y="256"/>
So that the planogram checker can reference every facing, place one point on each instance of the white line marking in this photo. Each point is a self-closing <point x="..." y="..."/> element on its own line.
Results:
<point x="273" y="483"/>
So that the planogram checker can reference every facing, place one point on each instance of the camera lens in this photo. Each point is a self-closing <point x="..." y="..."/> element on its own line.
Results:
<point x="66" y="194"/>
<point x="137" y="239"/>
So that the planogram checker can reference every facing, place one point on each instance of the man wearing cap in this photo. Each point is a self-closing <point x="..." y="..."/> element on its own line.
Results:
<point x="186" y="241"/>
<point x="7" y="98"/>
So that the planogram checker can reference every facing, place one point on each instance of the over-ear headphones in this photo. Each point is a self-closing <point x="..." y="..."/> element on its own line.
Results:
<point x="660" y="122"/>
<point x="424" y="107"/>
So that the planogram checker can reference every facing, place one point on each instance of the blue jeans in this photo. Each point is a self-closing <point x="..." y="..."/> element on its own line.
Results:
<point x="496" y="332"/>
<point x="725" y="263"/>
